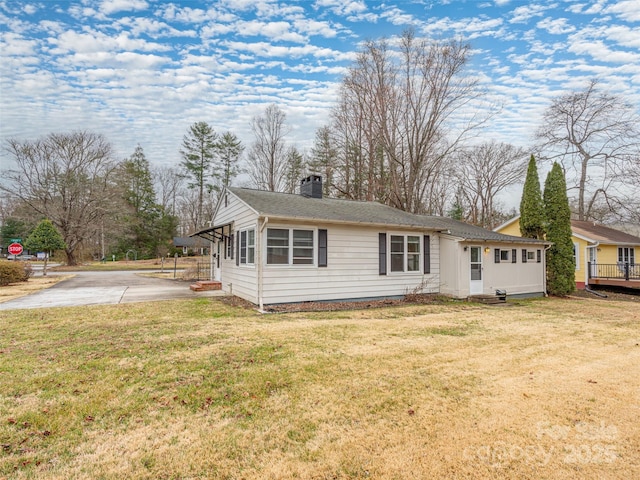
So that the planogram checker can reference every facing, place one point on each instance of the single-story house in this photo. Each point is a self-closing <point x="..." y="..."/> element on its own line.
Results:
<point x="272" y="248"/>
<point x="608" y="251"/>
<point x="191" y="245"/>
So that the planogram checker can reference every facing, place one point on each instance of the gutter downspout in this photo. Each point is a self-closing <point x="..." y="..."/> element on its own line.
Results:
<point x="544" y="271"/>
<point x="259" y="249"/>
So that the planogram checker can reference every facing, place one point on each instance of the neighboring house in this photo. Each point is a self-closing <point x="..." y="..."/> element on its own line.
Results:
<point x="610" y="252"/>
<point x="271" y="248"/>
<point x="191" y="245"/>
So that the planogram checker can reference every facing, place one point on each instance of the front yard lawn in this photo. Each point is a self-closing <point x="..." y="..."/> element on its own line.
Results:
<point x="545" y="388"/>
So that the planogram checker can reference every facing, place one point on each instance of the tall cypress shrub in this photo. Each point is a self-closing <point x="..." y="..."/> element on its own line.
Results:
<point x="531" y="206"/>
<point x="560" y="262"/>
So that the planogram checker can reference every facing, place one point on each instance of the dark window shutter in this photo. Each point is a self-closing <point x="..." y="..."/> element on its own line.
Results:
<point x="322" y="248"/>
<point x="226" y="242"/>
<point x="427" y="254"/>
<point x="237" y="250"/>
<point x="231" y="244"/>
<point x="382" y="253"/>
<point x="496" y="255"/>
<point x="524" y="255"/>
<point x="514" y="255"/>
<point x="539" y="256"/>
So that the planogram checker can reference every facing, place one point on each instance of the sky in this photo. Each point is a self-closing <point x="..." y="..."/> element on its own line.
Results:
<point x="140" y="72"/>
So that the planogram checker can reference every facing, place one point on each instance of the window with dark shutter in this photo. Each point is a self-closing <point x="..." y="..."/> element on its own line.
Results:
<point x="496" y="255"/>
<point x="322" y="248"/>
<point x="514" y="255"/>
<point x="427" y="254"/>
<point x="539" y="256"/>
<point x="382" y="253"/>
<point x="524" y="255"/>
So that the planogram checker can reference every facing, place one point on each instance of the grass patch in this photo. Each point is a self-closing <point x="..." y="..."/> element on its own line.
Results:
<point x="34" y="284"/>
<point x="201" y="389"/>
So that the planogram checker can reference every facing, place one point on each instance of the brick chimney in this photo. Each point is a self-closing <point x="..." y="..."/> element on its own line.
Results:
<point x="311" y="186"/>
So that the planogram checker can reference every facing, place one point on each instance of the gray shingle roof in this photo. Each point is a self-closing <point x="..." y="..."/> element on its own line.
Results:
<point x="293" y="206"/>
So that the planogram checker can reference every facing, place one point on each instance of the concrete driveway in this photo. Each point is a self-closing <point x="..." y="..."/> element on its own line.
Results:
<point x="101" y="288"/>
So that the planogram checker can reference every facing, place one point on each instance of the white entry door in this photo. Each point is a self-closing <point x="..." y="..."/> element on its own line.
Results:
<point x="475" y="282"/>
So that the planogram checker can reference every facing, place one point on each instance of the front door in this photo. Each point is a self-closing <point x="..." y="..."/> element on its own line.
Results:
<point x="475" y="282"/>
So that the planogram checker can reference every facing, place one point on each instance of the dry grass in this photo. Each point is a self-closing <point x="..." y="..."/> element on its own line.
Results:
<point x="199" y="389"/>
<point x="34" y="284"/>
<point x="167" y="264"/>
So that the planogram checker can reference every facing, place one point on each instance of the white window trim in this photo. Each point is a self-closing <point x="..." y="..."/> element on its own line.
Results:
<point x="290" y="264"/>
<point x="631" y="252"/>
<point x="576" y="250"/>
<point x="239" y="253"/>
<point x="405" y="253"/>
<point x="505" y="260"/>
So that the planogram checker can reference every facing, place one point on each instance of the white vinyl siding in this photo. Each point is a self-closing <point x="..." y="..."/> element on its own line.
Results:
<point x="516" y="279"/>
<point x="239" y="280"/>
<point x="352" y="270"/>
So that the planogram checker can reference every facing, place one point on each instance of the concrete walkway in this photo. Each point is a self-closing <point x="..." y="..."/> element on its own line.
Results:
<point x="102" y="288"/>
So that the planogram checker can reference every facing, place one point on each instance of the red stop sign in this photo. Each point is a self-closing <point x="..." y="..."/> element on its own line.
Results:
<point x="15" y="249"/>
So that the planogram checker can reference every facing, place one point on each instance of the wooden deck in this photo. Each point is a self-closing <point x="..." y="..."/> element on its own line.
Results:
<point x="619" y="275"/>
<point x="615" y="282"/>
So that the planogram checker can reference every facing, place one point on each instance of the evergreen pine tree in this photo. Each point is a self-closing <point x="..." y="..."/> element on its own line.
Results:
<point x="199" y="148"/>
<point x="560" y="261"/>
<point x="531" y="206"/>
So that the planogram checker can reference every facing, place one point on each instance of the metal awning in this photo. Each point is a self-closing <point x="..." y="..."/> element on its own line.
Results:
<point x="212" y="233"/>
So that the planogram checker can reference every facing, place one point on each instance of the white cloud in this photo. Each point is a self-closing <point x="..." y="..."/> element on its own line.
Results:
<point x="557" y="26"/>
<point x="342" y="7"/>
<point x="313" y="27"/>
<point x="130" y="60"/>
<point x="397" y="16"/>
<point x="267" y="50"/>
<point x="279" y="31"/>
<point x="468" y="27"/>
<point x="29" y="9"/>
<point x="16" y="45"/>
<point x="92" y="41"/>
<point x="109" y="7"/>
<point x="597" y="50"/>
<point x="628" y="10"/>
<point x="524" y="13"/>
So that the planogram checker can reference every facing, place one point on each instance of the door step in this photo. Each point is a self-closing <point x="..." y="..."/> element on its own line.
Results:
<point x="204" y="285"/>
<point x="487" y="299"/>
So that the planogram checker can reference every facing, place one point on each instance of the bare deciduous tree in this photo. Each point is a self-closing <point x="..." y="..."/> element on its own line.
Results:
<point x="484" y="171"/>
<point x="67" y="178"/>
<point x="168" y="183"/>
<point x="595" y="136"/>
<point x="400" y="117"/>
<point x="267" y="158"/>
